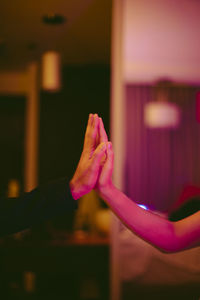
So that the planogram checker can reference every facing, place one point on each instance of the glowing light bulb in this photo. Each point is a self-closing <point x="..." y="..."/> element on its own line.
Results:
<point x="143" y="206"/>
<point x="161" y="115"/>
<point x="51" y="71"/>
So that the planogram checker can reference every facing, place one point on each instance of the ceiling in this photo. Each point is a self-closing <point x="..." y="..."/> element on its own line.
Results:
<point x="83" y="39"/>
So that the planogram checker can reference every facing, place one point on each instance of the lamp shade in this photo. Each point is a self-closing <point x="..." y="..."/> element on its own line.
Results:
<point x="51" y="71"/>
<point x="161" y="115"/>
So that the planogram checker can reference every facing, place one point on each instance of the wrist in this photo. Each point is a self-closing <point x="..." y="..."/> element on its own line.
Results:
<point x="107" y="190"/>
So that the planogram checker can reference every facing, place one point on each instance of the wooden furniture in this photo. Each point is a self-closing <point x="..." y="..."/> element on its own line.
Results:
<point x="61" y="267"/>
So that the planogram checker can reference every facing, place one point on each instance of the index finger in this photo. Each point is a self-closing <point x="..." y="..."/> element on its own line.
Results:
<point x="91" y="132"/>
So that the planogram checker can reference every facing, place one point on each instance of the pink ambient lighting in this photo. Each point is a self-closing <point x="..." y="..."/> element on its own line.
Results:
<point x="198" y="107"/>
<point x="161" y="39"/>
<point x="161" y="115"/>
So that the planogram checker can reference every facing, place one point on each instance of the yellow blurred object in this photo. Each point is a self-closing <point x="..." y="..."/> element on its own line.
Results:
<point x="13" y="188"/>
<point x="51" y="71"/>
<point x="103" y="221"/>
<point x="14" y="192"/>
<point x="29" y="282"/>
<point x="89" y="204"/>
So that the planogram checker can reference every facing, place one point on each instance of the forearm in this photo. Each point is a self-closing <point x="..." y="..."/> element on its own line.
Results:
<point x="154" y="229"/>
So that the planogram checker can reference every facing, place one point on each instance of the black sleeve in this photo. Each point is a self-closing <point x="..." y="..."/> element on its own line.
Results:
<point x="32" y="208"/>
<point x="185" y="210"/>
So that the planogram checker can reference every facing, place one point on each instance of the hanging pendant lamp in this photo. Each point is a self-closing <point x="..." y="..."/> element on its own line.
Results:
<point x="161" y="113"/>
<point x="51" y="71"/>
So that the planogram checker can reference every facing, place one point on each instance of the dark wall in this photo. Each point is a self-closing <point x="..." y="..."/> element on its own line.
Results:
<point x="12" y="116"/>
<point x="63" y="118"/>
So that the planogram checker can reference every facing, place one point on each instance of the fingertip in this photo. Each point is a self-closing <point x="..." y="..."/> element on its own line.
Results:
<point x="95" y="121"/>
<point x="102" y="125"/>
<point x="99" y="119"/>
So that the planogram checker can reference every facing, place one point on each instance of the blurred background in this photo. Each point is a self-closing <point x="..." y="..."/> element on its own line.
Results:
<point x="42" y="133"/>
<point x="137" y="64"/>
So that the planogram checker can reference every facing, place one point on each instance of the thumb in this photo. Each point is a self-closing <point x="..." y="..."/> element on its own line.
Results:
<point x="97" y="156"/>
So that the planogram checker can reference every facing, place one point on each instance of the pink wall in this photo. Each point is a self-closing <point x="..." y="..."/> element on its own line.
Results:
<point x="161" y="38"/>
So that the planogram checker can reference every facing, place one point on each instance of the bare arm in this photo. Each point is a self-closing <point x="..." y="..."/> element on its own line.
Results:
<point x="160" y="232"/>
<point x="163" y="234"/>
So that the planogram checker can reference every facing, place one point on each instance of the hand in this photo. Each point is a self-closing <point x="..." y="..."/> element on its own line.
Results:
<point x="87" y="171"/>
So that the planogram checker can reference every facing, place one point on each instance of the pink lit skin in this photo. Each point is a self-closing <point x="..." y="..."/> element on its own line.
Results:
<point x="160" y="232"/>
<point x="95" y="171"/>
<point x="87" y="172"/>
<point x="198" y="107"/>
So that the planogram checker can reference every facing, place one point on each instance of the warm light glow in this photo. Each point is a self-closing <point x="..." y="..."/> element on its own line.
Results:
<point x="51" y="69"/>
<point x="13" y="188"/>
<point x="161" y="115"/>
